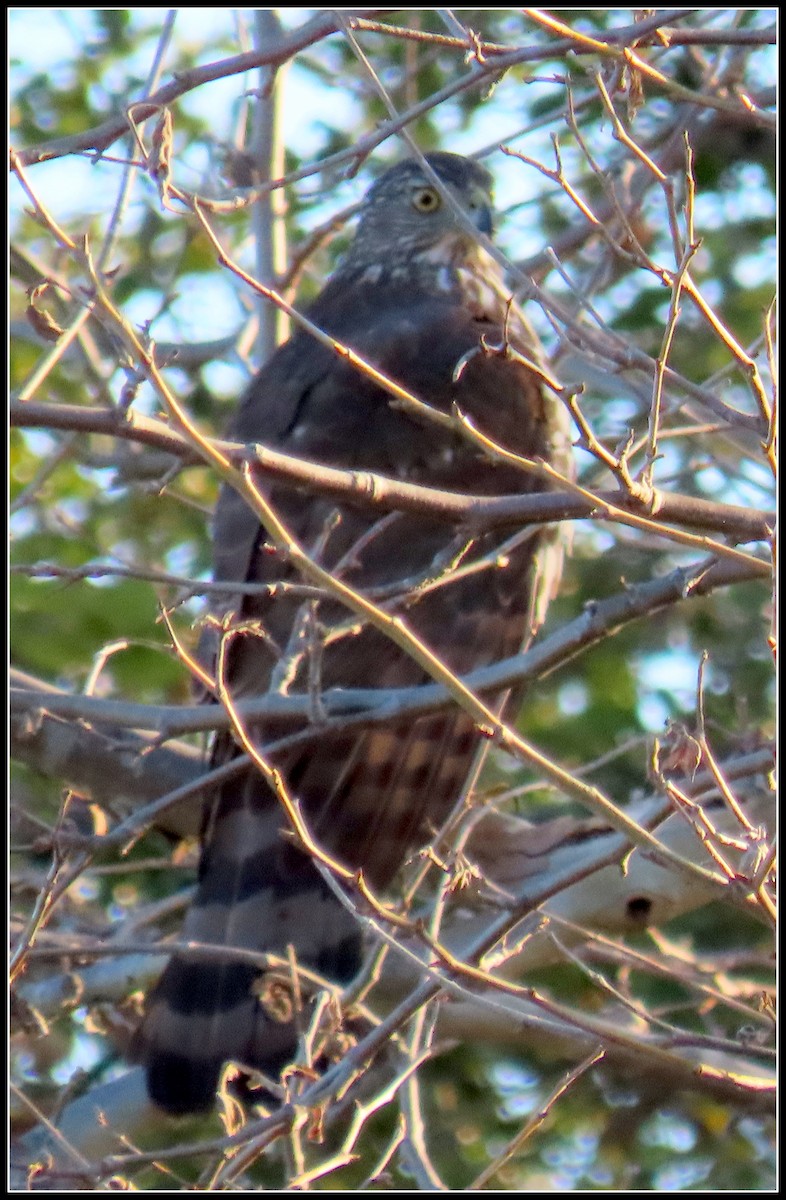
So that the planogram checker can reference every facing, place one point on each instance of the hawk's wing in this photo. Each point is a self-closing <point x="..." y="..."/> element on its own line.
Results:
<point x="371" y="796"/>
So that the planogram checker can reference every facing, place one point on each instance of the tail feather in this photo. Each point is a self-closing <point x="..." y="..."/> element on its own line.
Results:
<point x="205" y="1011"/>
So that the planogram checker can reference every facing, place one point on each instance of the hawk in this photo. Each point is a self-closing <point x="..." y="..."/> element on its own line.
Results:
<point x="417" y="298"/>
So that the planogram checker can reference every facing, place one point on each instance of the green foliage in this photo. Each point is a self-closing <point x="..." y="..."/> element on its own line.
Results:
<point x="81" y="499"/>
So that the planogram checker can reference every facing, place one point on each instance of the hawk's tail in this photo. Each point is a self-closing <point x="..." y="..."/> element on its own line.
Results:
<point x="257" y="894"/>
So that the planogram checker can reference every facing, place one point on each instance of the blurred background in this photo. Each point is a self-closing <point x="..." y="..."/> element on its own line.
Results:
<point x="613" y="174"/>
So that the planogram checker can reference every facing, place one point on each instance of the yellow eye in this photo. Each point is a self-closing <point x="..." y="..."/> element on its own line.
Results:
<point x="426" y="199"/>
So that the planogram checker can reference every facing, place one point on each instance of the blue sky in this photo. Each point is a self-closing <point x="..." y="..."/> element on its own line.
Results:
<point x="47" y="40"/>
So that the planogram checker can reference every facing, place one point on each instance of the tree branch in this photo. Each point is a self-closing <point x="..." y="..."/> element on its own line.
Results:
<point x="89" y="760"/>
<point x="387" y="494"/>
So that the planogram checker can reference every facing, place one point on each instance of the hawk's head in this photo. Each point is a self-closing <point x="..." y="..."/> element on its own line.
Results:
<point x="407" y="216"/>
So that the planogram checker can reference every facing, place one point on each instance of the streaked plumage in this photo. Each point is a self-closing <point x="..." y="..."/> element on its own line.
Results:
<point x="414" y="296"/>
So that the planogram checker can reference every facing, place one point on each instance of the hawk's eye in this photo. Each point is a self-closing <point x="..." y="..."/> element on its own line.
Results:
<point x="426" y="199"/>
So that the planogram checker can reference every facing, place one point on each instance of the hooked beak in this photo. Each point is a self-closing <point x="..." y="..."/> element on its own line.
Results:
<point x="482" y="218"/>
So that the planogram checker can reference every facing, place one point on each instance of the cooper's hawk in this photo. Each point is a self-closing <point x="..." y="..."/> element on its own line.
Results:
<point x="419" y="299"/>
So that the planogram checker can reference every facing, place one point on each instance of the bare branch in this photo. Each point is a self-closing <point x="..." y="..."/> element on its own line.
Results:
<point x="478" y="512"/>
<point x="645" y="290"/>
